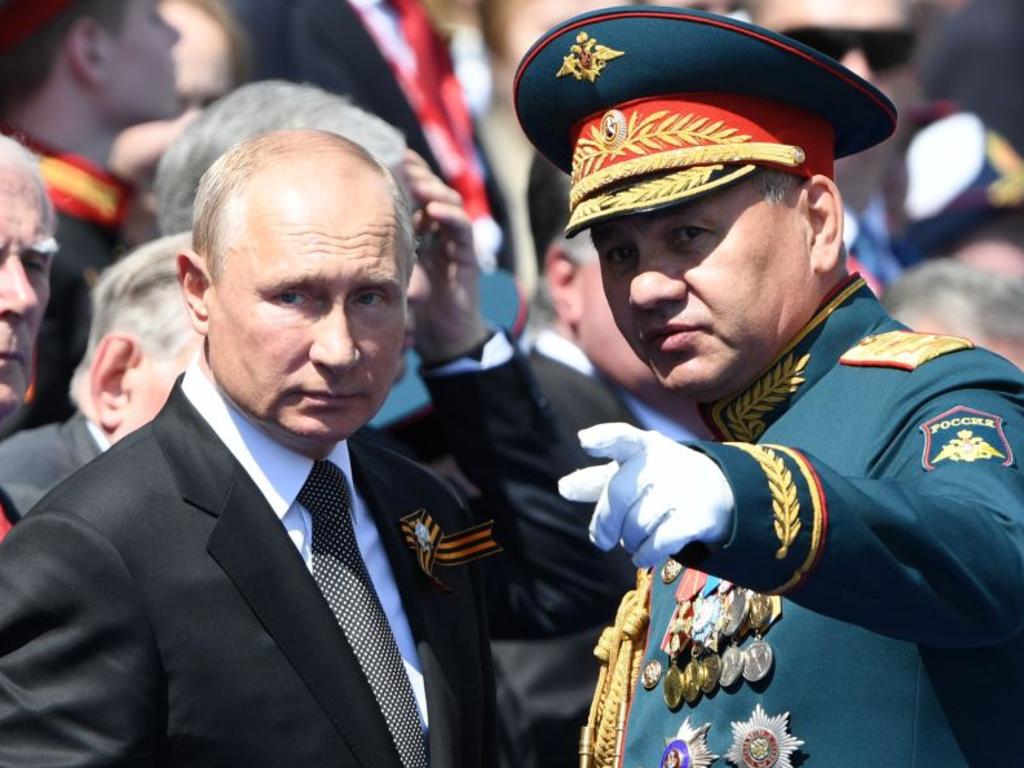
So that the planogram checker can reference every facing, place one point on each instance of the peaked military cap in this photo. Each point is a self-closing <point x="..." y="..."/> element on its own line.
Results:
<point x="647" y="107"/>
<point x="19" y="19"/>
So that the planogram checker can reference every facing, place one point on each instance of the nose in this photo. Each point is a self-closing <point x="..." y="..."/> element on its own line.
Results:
<point x="333" y="344"/>
<point x="17" y="294"/>
<point x="656" y="285"/>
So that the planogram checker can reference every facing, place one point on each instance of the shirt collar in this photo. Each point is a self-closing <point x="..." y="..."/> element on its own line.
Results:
<point x="559" y="348"/>
<point x="277" y="471"/>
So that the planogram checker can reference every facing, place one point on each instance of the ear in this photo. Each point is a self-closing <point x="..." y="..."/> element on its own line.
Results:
<point x="109" y="395"/>
<point x="88" y="50"/>
<point x="561" y="273"/>
<point x="824" y="208"/>
<point x="195" y="282"/>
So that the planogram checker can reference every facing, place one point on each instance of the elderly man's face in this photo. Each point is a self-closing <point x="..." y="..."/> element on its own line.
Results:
<point x="707" y="293"/>
<point x="307" y="317"/>
<point x="24" y="284"/>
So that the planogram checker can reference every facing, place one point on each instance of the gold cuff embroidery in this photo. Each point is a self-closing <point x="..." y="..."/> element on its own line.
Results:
<point x="785" y="504"/>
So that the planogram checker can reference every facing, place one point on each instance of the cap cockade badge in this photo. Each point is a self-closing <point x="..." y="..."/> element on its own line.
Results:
<point x="587" y="59"/>
<point x="434" y="547"/>
<point x="762" y="741"/>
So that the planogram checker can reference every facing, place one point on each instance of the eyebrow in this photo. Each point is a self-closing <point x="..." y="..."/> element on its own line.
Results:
<point x="47" y="246"/>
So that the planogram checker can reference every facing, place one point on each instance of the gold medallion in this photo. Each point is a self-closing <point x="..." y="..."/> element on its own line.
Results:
<point x="651" y="675"/>
<point x="691" y="681"/>
<point x="675" y="644"/>
<point x="760" y="612"/>
<point x="673" y="687"/>
<point x="712" y="666"/>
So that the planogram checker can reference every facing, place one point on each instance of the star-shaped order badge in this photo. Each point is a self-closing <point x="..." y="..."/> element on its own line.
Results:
<point x="433" y="547"/>
<point x="689" y="748"/>
<point x="762" y="741"/>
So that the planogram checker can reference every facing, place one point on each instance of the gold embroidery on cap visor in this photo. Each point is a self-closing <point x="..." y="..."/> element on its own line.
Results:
<point x="620" y="163"/>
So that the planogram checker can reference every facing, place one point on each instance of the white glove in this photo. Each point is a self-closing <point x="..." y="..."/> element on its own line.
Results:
<point x="654" y="498"/>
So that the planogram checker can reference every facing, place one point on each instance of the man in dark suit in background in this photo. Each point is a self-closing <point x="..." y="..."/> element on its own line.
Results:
<point x="232" y="581"/>
<point x="139" y="342"/>
<point x="26" y="238"/>
<point x="387" y="56"/>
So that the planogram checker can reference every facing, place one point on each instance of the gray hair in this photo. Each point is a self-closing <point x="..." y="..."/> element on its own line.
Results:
<point x="139" y="295"/>
<point x="224" y="183"/>
<point x="250" y="111"/>
<point x="982" y="306"/>
<point x="14" y="157"/>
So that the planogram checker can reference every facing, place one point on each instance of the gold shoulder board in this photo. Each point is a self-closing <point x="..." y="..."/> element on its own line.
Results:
<point x="902" y="349"/>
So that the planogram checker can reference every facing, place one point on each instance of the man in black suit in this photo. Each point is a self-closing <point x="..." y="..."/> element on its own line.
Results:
<point x="230" y="585"/>
<point x="26" y="239"/>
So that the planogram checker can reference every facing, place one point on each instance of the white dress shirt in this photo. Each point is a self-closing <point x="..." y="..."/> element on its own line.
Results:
<point x="279" y="473"/>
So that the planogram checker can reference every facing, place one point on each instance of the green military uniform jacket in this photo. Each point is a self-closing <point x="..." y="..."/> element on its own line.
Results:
<point x="878" y="489"/>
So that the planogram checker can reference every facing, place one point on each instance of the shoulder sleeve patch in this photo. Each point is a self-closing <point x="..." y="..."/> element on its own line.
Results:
<point x="967" y="435"/>
<point x="905" y="350"/>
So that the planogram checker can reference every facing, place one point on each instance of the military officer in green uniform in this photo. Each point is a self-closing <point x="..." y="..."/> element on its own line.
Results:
<point x="838" y="579"/>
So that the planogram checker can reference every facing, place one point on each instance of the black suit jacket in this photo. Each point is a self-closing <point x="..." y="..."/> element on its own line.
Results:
<point x="33" y="461"/>
<point x="154" y="612"/>
<point x="513" y="430"/>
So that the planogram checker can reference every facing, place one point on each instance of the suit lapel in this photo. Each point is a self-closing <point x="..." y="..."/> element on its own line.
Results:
<point x="253" y="549"/>
<point x="425" y="606"/>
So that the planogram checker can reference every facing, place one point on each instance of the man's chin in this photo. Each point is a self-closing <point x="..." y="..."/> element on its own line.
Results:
<point x="691" y="381"/>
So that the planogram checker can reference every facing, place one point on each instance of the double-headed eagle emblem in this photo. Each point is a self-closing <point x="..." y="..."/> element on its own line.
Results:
<point x="587" y="58"/>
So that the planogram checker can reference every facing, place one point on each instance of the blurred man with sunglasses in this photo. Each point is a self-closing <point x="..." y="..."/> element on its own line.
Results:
<point x="874" y="39"/>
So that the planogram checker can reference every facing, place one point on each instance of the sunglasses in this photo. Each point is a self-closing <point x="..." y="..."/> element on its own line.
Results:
<point x="883" y="48"/>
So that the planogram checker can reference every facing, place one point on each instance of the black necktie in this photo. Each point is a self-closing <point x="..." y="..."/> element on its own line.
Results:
<point x="341" y="574"/>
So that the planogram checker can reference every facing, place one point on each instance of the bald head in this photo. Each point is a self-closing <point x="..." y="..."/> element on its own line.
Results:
<point x="222" y="188"/>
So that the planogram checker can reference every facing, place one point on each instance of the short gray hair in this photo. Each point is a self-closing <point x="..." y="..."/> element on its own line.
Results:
<point x="982" y="306"/>
<point x="775" y="185"/>
<point x="224" y="184"/>
<point x="139" y="295"/>
<point x="250" y="111"/>
<point x="25" y="165"/>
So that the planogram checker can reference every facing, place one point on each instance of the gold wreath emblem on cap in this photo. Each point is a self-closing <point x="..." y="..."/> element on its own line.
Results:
<point x="587" y="59"/>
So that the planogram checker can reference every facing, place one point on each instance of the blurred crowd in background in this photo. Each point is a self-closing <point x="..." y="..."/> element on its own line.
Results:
<point x="935" y="223"/>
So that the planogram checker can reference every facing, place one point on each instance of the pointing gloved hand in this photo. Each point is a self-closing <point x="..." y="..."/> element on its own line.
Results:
<point x="654" y="497"/>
